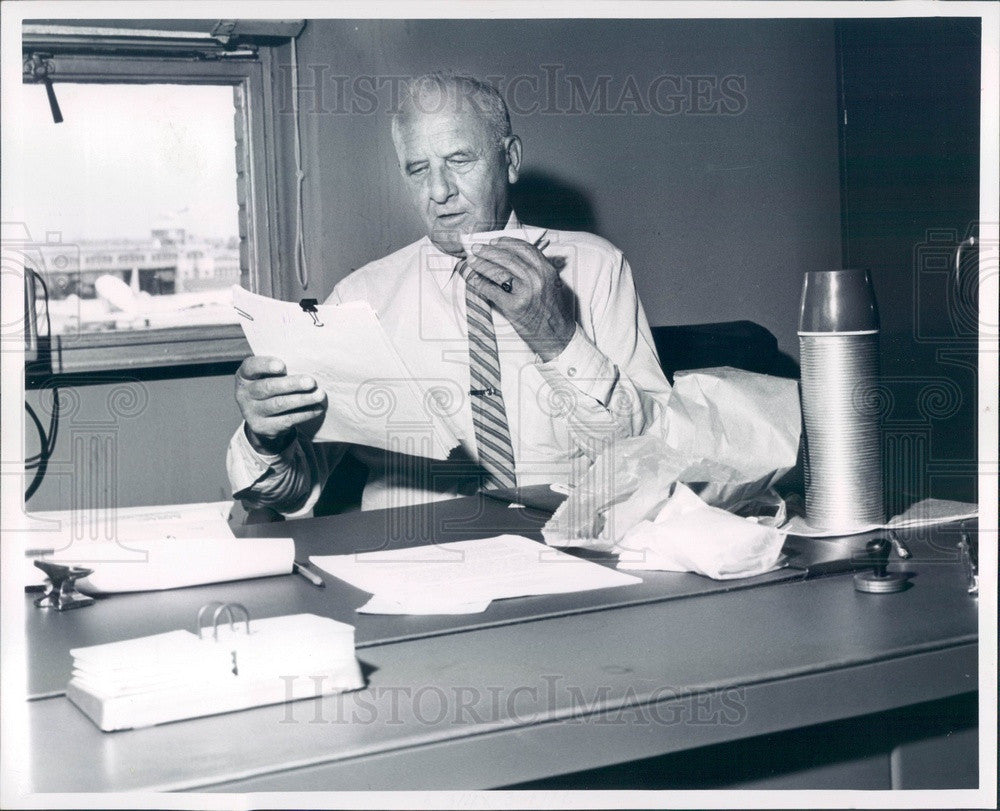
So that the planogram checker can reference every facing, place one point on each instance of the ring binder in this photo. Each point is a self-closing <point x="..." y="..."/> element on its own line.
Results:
<point x="219" y="608"/>
<point x="175" y="675"/>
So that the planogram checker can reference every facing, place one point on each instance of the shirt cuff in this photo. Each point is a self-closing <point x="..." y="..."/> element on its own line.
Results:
<point x="247" y="466"/>
<point x="585" y="366"/>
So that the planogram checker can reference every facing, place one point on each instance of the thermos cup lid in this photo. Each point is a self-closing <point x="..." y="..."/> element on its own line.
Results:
<point x="838" y="301"/>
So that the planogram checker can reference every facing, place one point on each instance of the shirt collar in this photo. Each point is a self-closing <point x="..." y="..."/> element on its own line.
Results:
<point x="443" y="266"/>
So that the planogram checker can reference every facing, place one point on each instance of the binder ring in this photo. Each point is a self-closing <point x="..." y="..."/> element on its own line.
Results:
<point x="221" y="607"/>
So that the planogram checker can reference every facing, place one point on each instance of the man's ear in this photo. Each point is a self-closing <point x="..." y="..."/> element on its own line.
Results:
<point x="397" y="145"/>
<point x="512" y="151"/>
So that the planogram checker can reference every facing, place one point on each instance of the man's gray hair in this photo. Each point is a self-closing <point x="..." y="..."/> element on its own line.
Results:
<point x="432" y="93"/>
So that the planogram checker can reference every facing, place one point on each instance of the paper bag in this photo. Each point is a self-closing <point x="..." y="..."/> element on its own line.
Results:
<point x="728" y="434"/>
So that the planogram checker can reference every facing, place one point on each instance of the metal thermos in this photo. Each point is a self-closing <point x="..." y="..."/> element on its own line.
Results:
<point x="838" y="349"/>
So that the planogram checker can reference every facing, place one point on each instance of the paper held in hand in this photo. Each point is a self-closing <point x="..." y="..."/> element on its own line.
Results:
<point x="373" y="399"/>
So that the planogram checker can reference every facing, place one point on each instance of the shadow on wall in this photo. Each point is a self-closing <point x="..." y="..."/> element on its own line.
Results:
<point x="546" y="201"/>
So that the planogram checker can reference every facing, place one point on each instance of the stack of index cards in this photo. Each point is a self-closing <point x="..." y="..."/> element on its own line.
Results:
<point x="176" y="675"/>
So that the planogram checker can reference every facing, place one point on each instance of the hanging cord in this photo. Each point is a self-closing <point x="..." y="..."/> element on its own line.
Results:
<point x="301" y="265"/>
<point x="46" y="440"/>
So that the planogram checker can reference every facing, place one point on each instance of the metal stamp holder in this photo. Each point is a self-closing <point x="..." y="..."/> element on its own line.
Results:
<point x="60" y="587"/>
<point x="879" y="580"/>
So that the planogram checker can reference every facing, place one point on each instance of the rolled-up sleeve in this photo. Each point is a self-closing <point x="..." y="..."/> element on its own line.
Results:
<point x="289" y="482"/>
<point x="610" y="368"/>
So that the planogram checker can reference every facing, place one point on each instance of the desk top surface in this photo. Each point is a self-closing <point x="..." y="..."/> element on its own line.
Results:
<point x="124" y="616"/>
<point x="529" y="678"/>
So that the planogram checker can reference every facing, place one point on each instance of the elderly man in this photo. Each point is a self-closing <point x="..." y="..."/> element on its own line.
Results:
<point x="541" y="331"/>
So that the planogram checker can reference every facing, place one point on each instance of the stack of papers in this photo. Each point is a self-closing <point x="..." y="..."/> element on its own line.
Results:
<point x="464" y="577"/>
<point x="167" y="677"/>
<point x="152" y="548"/>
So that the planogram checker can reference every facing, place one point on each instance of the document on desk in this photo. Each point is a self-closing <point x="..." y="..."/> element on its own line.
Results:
<point x="925" y="513"/>
<point x="151" y="548"/>
<point x="464" y="577"/>
<point x="374" y="399"/>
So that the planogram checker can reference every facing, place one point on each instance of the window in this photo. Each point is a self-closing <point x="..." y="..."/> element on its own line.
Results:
<point x="136" y="179"/>
<point x="154" y="195"/>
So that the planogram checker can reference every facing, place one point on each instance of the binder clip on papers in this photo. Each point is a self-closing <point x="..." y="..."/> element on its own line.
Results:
<point x="234" y="663"/>
<point x="308" y="305"/>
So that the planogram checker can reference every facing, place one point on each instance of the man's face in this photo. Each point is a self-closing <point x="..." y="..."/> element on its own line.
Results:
<point x="456" y="174"/>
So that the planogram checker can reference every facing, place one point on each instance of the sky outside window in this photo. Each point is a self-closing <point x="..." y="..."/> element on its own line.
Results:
<point x="126" y="156"/>
<point x="131" y="201"/>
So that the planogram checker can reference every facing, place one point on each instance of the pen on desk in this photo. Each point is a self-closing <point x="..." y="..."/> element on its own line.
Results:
<point x="302" y="569"/>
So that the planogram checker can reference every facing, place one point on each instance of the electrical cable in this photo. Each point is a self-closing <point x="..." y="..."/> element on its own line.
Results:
<point x="46" y="440"/>
<point x="301" y="265"/>
<point x="43" y="463"/>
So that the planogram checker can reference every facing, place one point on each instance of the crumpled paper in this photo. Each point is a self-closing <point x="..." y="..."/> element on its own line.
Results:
<point x="687" y="535"/>
<point x="728" y="434"/>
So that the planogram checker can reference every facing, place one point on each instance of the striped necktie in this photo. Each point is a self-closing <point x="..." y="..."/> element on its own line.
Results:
<point x="496" y="454"/>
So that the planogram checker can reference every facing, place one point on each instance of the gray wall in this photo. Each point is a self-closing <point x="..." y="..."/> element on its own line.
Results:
<point x="718" y="214"/>
<point x="127" y="442"/>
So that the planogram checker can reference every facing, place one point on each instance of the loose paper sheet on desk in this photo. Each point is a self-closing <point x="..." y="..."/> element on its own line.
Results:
<point x="374" y="399"/>
<point x="463" y="577"/>
<point x="924" y="513"/>
<point x="152" y="548"/>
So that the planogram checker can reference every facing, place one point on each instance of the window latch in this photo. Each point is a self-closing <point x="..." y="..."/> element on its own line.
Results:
<point x="38" y="68"/>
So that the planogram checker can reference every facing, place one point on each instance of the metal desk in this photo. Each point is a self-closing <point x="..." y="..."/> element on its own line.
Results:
<point x="502" y="704"/>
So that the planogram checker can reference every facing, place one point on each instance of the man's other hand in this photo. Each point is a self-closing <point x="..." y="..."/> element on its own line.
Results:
<point x="525" y="287"/>
<point x="273" y="403"/>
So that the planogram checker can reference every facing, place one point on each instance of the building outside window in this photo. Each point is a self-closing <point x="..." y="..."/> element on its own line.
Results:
<point x="149" y="192"/>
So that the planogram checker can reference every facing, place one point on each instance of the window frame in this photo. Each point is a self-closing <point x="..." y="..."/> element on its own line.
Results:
<point x="251" y="76"/>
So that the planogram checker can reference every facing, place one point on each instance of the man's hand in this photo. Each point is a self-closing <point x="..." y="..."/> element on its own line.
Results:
<point x="273" y="403"/>
<point x="525" y="287"/>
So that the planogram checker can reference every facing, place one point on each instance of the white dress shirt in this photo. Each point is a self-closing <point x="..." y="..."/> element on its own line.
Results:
<point x="607" y="383"/>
